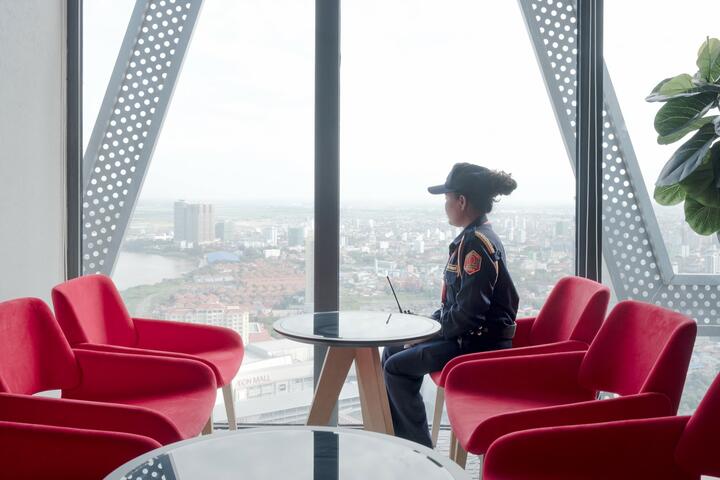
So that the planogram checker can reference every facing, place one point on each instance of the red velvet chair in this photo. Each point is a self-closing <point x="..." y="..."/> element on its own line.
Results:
<point x="667" y="448"/>
<point x="567" y="321"/>
<point x="641" y="353"/>
<point x="57" y="438"/>
<point x="93" y="316"/>
<point x="166" y="399"/>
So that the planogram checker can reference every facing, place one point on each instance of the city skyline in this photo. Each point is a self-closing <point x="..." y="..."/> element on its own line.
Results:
<point x="234" y="282"/>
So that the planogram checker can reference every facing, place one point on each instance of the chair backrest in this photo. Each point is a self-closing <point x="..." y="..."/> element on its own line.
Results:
<point x="89" y="309"/>
<point x="574" y="310"/>
<point x="640" y="348"/>
<point x="34" y="354"/>
<point x="697" y="451"/>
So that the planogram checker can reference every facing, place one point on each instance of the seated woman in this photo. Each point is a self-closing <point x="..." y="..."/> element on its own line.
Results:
<point x="479" y="300"/>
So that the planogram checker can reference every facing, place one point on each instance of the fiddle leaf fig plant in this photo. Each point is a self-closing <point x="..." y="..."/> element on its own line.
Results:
<point x="692" y="174"/>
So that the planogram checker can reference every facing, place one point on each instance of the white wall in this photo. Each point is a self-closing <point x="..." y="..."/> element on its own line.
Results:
<point x="32" y="147"/>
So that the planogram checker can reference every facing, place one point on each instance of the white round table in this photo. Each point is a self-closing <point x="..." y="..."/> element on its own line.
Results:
<point x="355" y="335"/>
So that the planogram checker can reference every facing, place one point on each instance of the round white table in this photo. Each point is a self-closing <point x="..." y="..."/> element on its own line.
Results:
<point x="355" y="335"/>
<point x="297" y="453"/>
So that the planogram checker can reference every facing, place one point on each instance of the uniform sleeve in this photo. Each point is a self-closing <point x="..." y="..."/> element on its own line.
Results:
<point x="477" y="281"/>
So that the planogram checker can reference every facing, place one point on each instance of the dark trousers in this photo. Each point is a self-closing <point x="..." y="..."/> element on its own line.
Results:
<point x="404" y="369"/>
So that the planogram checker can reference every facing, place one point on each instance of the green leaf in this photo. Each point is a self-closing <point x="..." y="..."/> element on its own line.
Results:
<point x="669" y="195"/>
<point x="701" y="218"/>
<point x="688" y="157"/>
<point x="702" y="84"/>
<point x="682" y="85"/>
<point x="678" y="113"/>
<point x="694" y="125"/>
<point x="702" y="178"/>
<point x="710" y="197"/>
<point x="701" y="185"/>
<point x="709" y="60"/>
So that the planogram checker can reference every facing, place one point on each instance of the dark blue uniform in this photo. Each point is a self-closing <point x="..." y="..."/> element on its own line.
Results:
<point x="479" y="305"/>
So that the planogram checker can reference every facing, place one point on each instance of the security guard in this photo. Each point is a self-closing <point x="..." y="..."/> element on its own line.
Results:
<point x="479" y="300"/>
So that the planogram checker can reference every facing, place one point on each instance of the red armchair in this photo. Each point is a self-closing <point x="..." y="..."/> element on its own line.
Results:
<point x="166" y="399"/>
<point x="668" y="448"/>
<point x="57" y="438"/>
<point x="641" y="353"/>
<point x="30" y="451"/>
<point x="567" y="321"/>
<point x="93" y="316"/>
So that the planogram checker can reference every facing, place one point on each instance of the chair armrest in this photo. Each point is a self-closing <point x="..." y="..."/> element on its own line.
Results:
<point x="549" y="376"/>
<point x="644" y="405"/>
<point x="630" y="449"/>
<point x="110" y="375"/>
<point x="184" y="337"/>
<point x="88" y="415"/>
<point x="523" y="326"/>
<point x="44" y="451"/>
<point x="564" y="346"/>
<point x="104" y="347"/>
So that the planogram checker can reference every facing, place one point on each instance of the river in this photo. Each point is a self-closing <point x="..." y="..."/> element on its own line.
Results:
<point x="135" y="269"/>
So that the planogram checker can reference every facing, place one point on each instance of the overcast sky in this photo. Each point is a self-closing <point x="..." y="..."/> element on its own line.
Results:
<point x="424" y="84"/>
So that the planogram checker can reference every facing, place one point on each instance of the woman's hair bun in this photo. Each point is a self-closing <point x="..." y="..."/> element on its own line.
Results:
<point x="501" y="183"/>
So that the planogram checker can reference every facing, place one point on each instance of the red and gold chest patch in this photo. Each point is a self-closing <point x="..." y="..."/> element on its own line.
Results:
<point x="473" y="260"/>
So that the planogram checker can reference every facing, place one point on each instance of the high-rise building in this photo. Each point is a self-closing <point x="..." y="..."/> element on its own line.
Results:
<point x="225" y="230"/>
<point x="419" y="245"/>
<point x="296" y="236"/>
<point x="194" y="222"/>
<point x="522" y="236"/>
<point x="180" y="225"/>
<point x="271" y="236"/>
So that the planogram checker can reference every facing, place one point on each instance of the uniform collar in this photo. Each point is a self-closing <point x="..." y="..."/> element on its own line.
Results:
<point x="474" y="224"/>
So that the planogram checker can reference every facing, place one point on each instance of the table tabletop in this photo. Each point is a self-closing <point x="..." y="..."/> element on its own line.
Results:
<point x="357" y="328"/>
<point x="312" y="453"/>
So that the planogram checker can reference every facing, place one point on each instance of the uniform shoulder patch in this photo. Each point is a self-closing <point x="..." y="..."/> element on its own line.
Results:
<point x="472" y="263"/>
<point x="486" y="242"/>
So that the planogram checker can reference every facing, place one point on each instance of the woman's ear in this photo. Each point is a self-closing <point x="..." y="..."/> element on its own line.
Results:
<point x="462" y="200"/>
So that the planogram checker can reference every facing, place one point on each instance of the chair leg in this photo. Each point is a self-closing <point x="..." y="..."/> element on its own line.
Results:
<point x="453" y="446"/>
<point x="208" y="428"/>
<point x="460" y="454"/>
<point x="437" y="418"/>
<point x="230" y="406"/>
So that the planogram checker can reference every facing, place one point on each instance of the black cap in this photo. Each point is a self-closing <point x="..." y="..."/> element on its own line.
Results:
<point x="463" y="178"/>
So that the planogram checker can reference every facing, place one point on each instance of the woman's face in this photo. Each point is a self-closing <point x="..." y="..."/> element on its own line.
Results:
<point x="455" y="208"/>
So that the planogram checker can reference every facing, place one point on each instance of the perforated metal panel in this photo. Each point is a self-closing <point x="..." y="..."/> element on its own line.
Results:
<point x="633" y="247"/>
<point x="157" y="468"/>
<point x="129" y="123"/>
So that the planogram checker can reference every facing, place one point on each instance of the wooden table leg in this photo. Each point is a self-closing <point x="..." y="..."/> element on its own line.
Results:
<point x="373" y="395"/>
<point x="332" y="377"/>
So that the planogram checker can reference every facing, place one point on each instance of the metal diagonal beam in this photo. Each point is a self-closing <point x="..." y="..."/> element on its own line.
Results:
<point x="129" y="123"/>
<point x="632" y="243"/>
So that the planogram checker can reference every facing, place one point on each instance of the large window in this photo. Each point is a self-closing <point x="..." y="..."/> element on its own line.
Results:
<point x="210" y="218"/>
<point x="221" y="232"/>
<point x="440" y="82"/>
